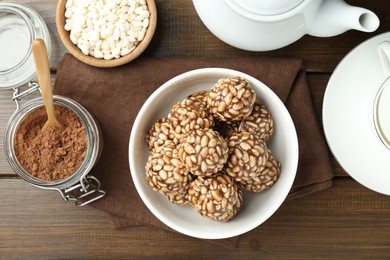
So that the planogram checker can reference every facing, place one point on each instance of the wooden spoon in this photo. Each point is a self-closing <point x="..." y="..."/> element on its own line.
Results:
<point x="43" y="71"/>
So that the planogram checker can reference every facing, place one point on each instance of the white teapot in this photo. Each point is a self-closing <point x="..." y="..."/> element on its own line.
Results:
<point x="263" y="25"/>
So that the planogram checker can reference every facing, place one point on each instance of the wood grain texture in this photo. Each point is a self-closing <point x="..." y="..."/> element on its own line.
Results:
<point x="180" y="32"/>
<point x="316" y="81"/>
<point x="347" y="221"/>
<point x="173" y="37"/>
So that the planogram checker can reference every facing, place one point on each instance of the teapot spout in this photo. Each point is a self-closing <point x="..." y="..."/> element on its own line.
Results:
<point x="335" y="17"/>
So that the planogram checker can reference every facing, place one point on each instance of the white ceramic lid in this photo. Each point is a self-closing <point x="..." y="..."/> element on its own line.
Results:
<point x="265" y="7"/>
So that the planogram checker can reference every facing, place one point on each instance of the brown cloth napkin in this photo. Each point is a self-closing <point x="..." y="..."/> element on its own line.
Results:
<point x="115" y="96"/>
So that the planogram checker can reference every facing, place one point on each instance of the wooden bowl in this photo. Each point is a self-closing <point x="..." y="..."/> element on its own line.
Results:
<point x="75" y="51"/>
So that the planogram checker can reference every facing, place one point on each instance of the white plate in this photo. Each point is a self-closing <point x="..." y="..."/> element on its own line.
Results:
<point x="257" y="207"/>
<point x="348" y="116"/>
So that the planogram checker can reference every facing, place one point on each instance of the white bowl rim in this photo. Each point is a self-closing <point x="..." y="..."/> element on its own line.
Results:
<point x="294" y="153"/>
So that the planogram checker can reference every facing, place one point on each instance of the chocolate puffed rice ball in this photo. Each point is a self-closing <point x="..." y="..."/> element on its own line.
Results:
<point x="181" y="198"/>
<point x="248" y="156"/>
<point x="168" y="149"/>
<point x="167" y="174"/>
<point x="204" y="152"/>
<point x="258" y="123"/>
<point x="188" y="115"/>
<point x="231" y="99"/>
<point x="217" y="197"/>
<point x="268" y="176"/>
<point x="160" y="134"/>
<point x="202" y="96"/>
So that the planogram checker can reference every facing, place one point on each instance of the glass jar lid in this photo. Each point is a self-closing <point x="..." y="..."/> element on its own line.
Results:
<point x="19" y="27"/>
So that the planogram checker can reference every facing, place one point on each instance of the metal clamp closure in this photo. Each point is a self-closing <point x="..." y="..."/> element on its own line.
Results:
<point x="17" y="95"/>
<point x="83" y="193"/>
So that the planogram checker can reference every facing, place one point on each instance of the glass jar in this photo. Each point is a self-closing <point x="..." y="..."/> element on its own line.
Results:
<point x="19" y="27"/>
<point x="79" y="187"/>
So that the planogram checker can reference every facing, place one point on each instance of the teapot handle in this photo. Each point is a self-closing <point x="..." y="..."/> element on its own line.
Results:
<point x="384" y="56"/>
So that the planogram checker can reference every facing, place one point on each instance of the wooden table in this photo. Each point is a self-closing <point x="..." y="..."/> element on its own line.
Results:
<point x="346" y="221"/>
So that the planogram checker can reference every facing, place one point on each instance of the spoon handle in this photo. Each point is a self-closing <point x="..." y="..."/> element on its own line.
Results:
<point x="43" y="70"/>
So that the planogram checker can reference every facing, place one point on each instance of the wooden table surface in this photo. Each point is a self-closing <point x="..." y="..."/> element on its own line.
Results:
<point x="346" y="221"/>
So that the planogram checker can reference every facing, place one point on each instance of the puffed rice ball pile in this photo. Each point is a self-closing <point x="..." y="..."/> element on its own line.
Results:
<point x="106" y="29"/>
<point x="210" y="146"/>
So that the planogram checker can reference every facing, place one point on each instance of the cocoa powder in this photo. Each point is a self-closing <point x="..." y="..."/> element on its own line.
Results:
<point x="51" y="153"/>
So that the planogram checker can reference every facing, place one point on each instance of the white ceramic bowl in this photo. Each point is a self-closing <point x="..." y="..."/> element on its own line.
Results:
<point x="257" y="207"/>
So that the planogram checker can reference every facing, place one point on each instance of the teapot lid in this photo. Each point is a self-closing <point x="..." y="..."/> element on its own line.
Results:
<point x="265" y="7"/>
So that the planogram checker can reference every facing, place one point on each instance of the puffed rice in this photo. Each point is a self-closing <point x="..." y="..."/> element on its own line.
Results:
<point x="105" y="28"/>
